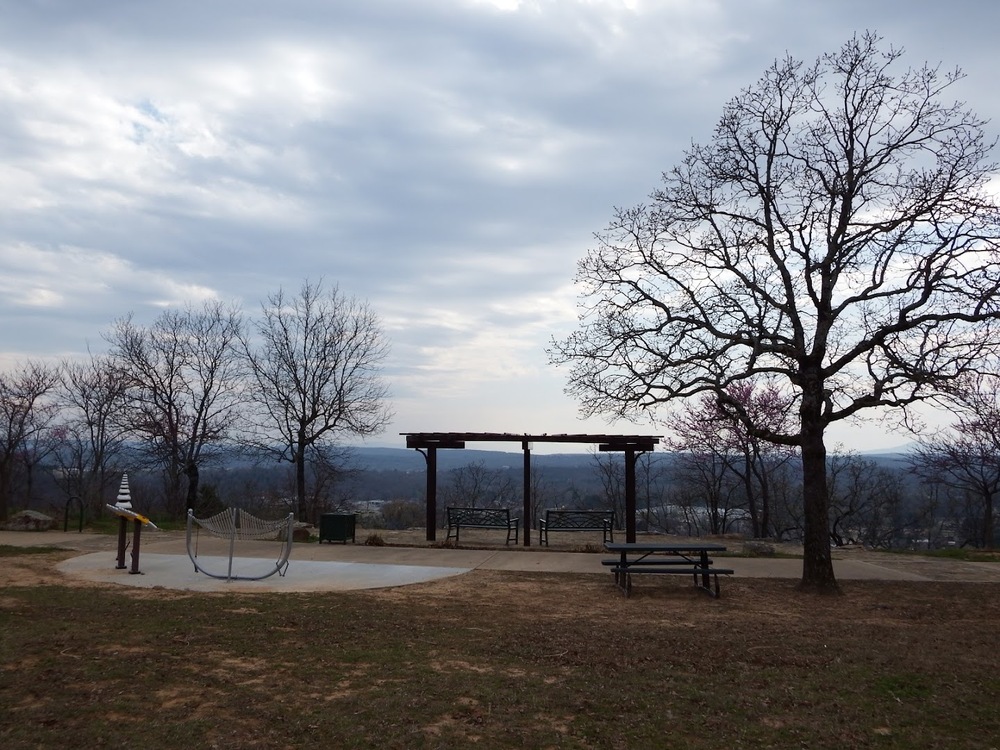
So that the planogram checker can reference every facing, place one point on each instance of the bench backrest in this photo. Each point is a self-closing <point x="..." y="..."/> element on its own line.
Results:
<point x="580" y="519"/>
<point x="484" y="516"/>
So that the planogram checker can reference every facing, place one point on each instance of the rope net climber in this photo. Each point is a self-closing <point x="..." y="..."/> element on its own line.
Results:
<point x="235" y="525"/>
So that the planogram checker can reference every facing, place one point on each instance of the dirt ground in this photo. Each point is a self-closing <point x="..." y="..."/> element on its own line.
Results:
<point x="890" y="664"/>
<point x="498" y="658"/>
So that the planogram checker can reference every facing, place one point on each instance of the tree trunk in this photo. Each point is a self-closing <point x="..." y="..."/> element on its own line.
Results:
<point x="193" y="478"/>
<point x="29" y="486"/>
<point x="748" y="475"/>
<point x="4" y="492"/>
<point x="817" y="564"/>
<point x="300" y="480"/>
<point x="175" y="492"/>
<point x="765" y="501"/>
<point x="988" y="537"/>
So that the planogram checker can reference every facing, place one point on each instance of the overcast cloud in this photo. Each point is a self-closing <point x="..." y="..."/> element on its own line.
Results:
<point x="446" y="160"/>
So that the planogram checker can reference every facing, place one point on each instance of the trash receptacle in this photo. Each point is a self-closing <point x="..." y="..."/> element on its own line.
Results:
<point x="336" y="527"/>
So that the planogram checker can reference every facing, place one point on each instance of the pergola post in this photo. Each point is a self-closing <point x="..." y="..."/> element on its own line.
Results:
<point x="630" y="457"/>
<point x="526" y="446"/>
<point x="430" y="520"/>
<point x="632" y="448"/>
<point x="430" y="443"/>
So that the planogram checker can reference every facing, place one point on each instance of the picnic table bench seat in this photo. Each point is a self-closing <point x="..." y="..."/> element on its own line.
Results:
<point x="623" y="576"/>
<point x="658" y="560"/>
<point x="573" y="519"/>
<point x="482" y="518"/>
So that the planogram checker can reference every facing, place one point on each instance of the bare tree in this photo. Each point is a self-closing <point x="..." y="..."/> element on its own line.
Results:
<point x="711" y="490"/>
<point x="185" y="389"/>
<point x="787" y="521"/>
<point x="937" y="518"/>
<point x="25" y="413"/>
<point x="330" y="467"/>
<point x="475" y="486"/>
<point x="40" y="443"/>
<point x="650" y="492"/>
<point x="93" y="431"/>
<point x="316" y="363"/>
<point x="866" y="502"/>
<point x="718" y="449"/>
<point x="966" y="458"/>
<point x="542" y="496"/>
<point x="610" y="470"/>
<point x="836" y="234"/>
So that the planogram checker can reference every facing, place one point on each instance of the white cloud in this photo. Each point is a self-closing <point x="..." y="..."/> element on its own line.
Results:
<point x="67" y="278"/>
<point x="448" y="159"/>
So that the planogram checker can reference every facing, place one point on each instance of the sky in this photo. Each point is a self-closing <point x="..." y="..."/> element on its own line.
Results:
<point x="446" y="160"/>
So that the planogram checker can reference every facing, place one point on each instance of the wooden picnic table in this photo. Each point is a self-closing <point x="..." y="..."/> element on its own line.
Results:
<point x="666" y="558"/>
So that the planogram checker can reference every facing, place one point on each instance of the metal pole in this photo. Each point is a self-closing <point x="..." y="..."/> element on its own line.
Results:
<point x="232" y="541"/>
<point x="136" y="531"/>
<point x="122" y="541"/>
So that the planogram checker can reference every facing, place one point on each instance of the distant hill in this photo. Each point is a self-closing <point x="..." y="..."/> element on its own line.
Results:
<point x="407" y="459"/>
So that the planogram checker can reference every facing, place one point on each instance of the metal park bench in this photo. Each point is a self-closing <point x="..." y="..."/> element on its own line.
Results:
<point x="482" y="518"/>
<point x="576" y="520"/>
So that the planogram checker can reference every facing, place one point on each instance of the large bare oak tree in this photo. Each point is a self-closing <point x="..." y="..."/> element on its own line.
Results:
<point x="836" y="233"/>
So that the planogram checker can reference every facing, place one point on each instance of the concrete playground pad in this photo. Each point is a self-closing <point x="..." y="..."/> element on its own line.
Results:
<point x="177" y="572"/>
<point x="164" y="563"/>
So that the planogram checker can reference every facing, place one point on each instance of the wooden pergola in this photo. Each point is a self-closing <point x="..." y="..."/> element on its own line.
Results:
<point x="428" y="443"/>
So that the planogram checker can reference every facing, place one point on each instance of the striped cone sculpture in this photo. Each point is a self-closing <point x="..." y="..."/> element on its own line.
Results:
<point x="124" y="497"/>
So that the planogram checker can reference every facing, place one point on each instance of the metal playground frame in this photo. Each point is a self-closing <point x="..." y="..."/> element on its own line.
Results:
<point x="237" y="525"/>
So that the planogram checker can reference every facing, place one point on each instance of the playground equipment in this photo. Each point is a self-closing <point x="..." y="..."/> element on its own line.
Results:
<point x="123" y="509"/>
<point x="237" y="525"/>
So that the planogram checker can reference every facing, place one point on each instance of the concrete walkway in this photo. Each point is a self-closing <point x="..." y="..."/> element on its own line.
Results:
<point x="163" y="562"/>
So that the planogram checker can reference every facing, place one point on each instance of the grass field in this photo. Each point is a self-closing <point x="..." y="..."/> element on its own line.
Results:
<point x="496" y="660"/>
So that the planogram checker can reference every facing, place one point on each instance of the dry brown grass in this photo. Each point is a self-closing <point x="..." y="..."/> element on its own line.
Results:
<point x="493" y="659"/>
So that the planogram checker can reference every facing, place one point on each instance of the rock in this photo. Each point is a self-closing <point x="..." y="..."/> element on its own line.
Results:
<point x="30" y="520"/>
<point x="754" y="548"/>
